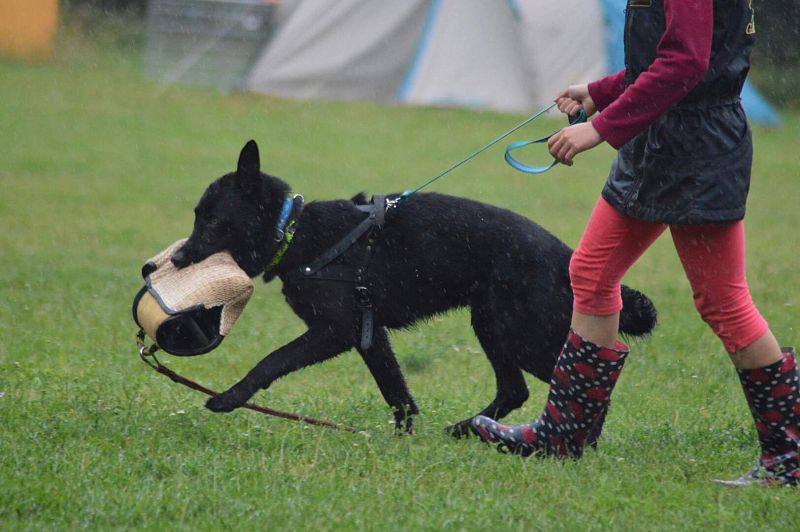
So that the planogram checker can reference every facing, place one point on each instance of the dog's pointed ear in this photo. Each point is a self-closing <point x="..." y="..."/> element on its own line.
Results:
<point x="248" y="170"/>
<point x="249" y="163"/>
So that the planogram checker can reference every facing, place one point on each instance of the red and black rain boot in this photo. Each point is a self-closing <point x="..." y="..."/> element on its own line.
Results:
<point x="580" y="391"/>
<point x="774" y="398"/>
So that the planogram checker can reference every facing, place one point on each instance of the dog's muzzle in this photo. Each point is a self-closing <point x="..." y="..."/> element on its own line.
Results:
<point x="189" y="311"/>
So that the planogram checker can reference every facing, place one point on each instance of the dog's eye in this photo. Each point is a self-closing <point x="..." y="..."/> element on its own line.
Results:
<point x="212" y="220"/>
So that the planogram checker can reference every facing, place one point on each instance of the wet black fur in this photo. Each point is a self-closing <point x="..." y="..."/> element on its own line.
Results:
<point x="434" y="254"/>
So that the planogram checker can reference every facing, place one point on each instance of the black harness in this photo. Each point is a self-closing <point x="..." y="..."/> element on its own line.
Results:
<point x="322" y="269"/>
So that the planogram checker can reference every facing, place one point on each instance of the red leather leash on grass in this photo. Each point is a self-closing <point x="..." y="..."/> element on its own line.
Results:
<point x="159" y="367"/>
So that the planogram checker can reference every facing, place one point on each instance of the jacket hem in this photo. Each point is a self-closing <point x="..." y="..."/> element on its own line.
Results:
<point x="667" y="215"/>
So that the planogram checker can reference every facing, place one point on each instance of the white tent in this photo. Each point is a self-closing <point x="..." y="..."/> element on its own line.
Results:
<point x="498" y="54"/>
<point x="505" y="55"/>
<point x="342" y="50"/>
<point x="564" y="44"/>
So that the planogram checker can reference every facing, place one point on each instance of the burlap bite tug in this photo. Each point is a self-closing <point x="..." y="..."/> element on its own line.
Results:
<point x="189" y="311"/>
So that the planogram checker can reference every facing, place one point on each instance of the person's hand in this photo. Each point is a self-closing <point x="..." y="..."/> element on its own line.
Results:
<point x="572" y="140"/>
<point x="575" y="97"/>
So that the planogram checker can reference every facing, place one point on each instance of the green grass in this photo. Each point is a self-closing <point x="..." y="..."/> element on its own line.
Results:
<point x="100" y="169"/>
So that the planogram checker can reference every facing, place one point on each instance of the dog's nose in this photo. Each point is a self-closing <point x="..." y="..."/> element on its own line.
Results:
<point x="180" y="258"/>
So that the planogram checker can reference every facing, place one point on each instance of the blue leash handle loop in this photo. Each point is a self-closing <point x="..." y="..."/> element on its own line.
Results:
<point x="522" y="167"/>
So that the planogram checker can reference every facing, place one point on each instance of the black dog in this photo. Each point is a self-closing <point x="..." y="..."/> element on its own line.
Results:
<point x="434" y="253"/>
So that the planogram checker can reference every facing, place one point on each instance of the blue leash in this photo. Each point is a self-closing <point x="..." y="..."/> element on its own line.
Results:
<point x="509" y="159"/>
<point x="580" y="118"/>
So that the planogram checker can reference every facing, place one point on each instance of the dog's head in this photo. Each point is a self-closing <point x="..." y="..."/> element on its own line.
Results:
<point x="237" y="213"/>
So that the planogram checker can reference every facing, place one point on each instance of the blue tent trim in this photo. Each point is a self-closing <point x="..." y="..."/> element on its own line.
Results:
<point x="431" y="17"/>
<point x="757" y="108"/>
<point x="614" y="14"/>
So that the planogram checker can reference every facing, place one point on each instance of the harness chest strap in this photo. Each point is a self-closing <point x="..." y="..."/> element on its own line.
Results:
<point x="322" y="269"/>
<point x="375" y="219"/>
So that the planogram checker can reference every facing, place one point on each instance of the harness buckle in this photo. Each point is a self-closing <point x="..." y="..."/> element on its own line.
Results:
<point x="391" y="203"/>
<point x="363" y="297"/>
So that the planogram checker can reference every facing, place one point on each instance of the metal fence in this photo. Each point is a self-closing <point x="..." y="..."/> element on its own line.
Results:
<point x="211" y="43"/>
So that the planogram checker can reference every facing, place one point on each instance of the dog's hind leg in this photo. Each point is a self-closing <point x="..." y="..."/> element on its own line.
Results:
<point x="382" y="363"/>
<point x="512" y="391"/>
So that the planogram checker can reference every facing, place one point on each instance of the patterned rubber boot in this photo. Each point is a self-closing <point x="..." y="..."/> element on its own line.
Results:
<point x="580" y="391"/>
<point x="774" y="399"/>
<point x="596" y="430"/>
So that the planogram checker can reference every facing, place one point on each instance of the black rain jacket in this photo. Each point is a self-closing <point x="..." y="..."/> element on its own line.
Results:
<point x="692" y="166"/>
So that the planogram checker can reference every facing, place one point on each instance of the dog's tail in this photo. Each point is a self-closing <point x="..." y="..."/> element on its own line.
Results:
<point x="638" y="316"/>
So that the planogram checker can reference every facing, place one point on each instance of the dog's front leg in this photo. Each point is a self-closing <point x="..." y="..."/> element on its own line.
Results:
<point x="317" y="344"/>
<point x="382" y="363"/>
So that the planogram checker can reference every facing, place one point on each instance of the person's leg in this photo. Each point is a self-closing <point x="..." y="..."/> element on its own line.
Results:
<point x="610" y="245"/>
<point x="601" y="330"/>
<point x="592" y="358"/>
<point x="713" y="257"/>
<point x="760" y="353"/>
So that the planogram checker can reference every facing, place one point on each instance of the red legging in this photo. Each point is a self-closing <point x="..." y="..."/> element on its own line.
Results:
<point x="712" y="257"/>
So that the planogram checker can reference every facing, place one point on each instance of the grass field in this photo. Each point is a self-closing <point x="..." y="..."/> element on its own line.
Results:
<point x="100" y="169"/>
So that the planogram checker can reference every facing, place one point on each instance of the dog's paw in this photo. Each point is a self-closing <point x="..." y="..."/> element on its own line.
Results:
<point x="404" y="425"/>
<point x="225" y="402"/>
<point x="459" y="430"/>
